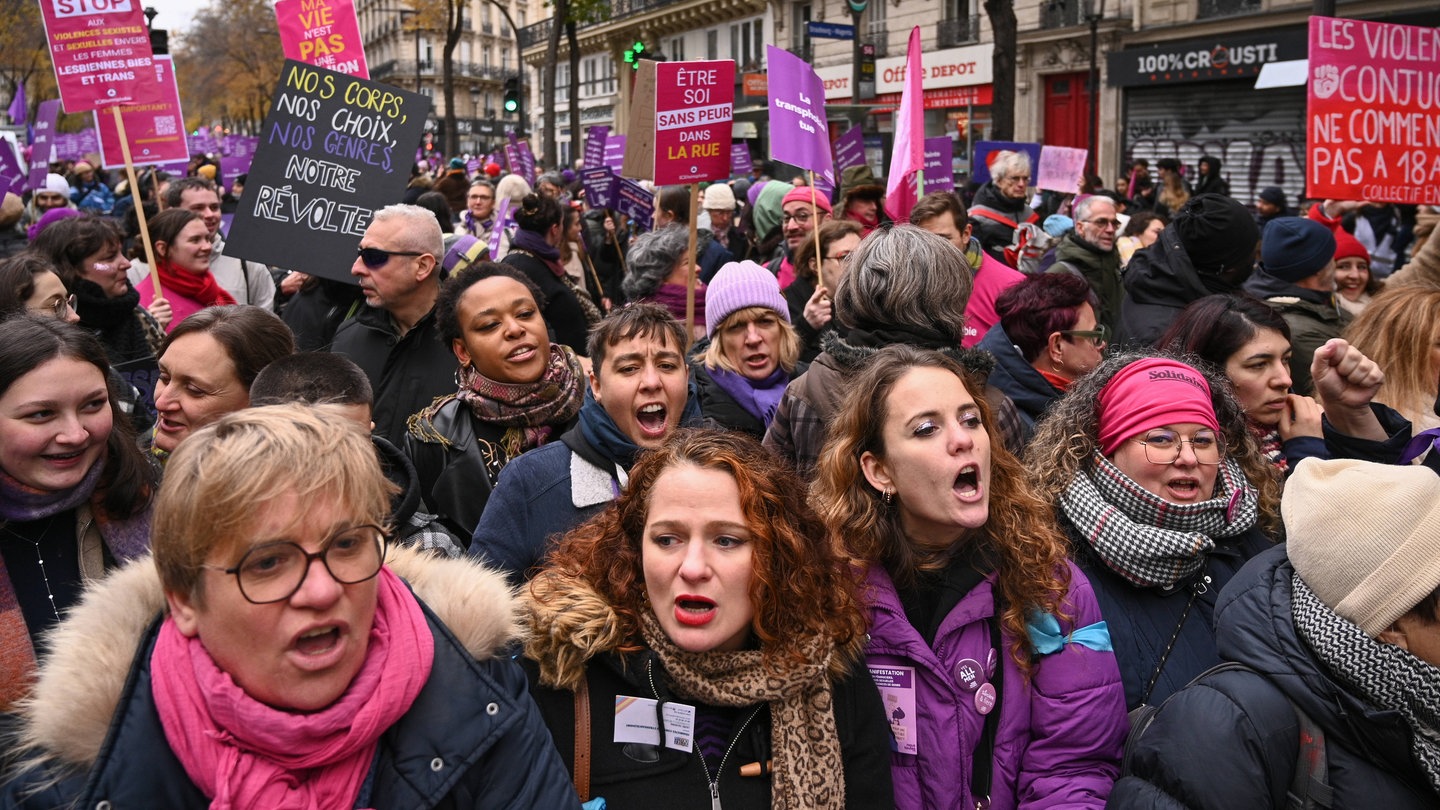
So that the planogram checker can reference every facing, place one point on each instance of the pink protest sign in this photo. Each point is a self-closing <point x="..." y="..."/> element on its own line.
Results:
<point x="1061" y="169"/>
<point x="694" y="102"/>
<point x="1371" y="124"/>
<point x="101" y="52"/>
<point x="324" y="33"/>
<point x="156" y="130"/>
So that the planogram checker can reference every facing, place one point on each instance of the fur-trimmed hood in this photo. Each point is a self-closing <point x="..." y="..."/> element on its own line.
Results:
<point x="569" y="623"/>
<point x="67" y="715"/>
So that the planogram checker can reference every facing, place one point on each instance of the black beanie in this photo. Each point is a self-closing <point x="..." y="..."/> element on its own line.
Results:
<point x="1296" y="248"/>
<point x="1217" y="232"/>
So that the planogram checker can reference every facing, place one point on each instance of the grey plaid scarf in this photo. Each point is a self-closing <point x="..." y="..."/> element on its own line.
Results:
<point x="1146" y="539"/>
<point x="1384" y="675"/>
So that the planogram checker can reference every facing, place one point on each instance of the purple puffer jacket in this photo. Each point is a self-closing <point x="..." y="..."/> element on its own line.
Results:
<point x="1060" y="736"/>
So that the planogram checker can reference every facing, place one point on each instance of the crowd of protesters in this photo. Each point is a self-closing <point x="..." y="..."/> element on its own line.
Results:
<point x="1124" y="498"/>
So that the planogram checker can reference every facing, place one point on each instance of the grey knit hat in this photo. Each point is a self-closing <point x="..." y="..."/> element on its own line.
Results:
<point x="1365" y="537"/>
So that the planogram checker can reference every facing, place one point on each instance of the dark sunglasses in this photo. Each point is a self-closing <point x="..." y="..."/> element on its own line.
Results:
<point x="375" y="258"/>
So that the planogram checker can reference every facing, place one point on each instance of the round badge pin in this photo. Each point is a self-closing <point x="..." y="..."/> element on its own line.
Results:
<point x="968" y="674"/>
<point x="985" y="698"/>
<point x="991" y="659"/>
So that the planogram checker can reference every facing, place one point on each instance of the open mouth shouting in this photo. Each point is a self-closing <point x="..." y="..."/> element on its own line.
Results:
<point x="652" y="420"/>
<point x="694" y="611"/>
<point x="967" y="484"/>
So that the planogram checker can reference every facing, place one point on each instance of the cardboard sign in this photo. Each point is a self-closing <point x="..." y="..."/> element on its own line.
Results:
<point x="156" y="131"/>
<point x="632" y="200"/>
<point x="939" y="164"/>
<point x="850" y="149"/>
<point x="694" y="105"/>
<point x="799" y="133"/>
<point x="1371" y="130"/>
<point x="599" y="185"/>
<point x="332" y="150"/>
<point x="980" y="166"/>
<point x="42" y="149"/>
<point x="740" y="160"/>
<point x="101" y="52"/>
<point x="1061" y="169"/>
<point x="595" y="145"/>
<point x="324" y="33"/>
<point x="615" y="152"/>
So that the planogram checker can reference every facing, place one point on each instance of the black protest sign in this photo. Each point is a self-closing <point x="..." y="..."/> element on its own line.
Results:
<point x="333" y="149"/>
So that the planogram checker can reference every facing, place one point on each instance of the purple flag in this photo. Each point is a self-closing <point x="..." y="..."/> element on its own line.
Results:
<point x="850" y="149"/>
<point x="799" y="134"/>
<point x="18" y="106"/>
<point x="44" y="145"/>
<point x="12" y="174"/>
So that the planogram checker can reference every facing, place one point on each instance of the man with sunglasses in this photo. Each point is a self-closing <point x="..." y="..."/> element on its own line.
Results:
<point x="1089" y="252"/>
<point x="394" y="338"/>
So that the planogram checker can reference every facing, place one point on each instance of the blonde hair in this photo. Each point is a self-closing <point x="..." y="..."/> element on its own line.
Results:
<point x="789" y="348"/>
<point x="1398" y="329"/>
<point x="221" y="479"/>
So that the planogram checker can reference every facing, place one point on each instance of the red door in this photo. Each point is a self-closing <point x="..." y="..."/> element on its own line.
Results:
<point x="1067" y="110"/>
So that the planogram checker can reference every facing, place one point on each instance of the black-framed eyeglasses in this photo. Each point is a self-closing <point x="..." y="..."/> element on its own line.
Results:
<point x="840" y="258"/>
<point x="1163" y="447"/>
<point x="59" y="308"/>
<point x="1024" y="178"/>
<point x="375" y="258"/>
<point x="1100" y="334"/>
<point x="273" y="572"/>
<point x="801" y="217"/>
<point x="1103" y="224"/>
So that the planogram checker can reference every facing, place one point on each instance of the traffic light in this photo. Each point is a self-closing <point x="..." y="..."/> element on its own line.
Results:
<point x="512" y="95"/>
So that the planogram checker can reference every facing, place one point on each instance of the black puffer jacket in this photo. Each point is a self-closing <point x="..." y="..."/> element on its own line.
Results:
<point x="1159" y="281"/>
<point x="1013" y="375"/>
<point x="1232" y="739"/>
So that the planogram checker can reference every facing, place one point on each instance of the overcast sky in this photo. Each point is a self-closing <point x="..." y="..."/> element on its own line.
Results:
<point x="175" y="15"/>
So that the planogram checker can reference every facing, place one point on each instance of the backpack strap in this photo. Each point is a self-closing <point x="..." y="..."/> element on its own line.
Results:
<point x="1309" y="788"/>
<point x="582" y="740"/>
<point x="994" y="216"/>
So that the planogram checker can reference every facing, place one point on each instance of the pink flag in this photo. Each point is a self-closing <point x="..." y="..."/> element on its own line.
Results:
<point x="909" y="155"/>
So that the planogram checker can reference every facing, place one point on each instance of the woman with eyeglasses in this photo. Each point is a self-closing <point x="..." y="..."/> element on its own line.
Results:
<point x="74" y="488"/>
<point x="1162" y="488"/>
<point x="1002" y="204"/>
<point x="279" y="656"/>
<point x="1250" y="342"/>
<point x="182" y="260"/>
<point x="1047" y="337"/>
<point x="812" y="309"/>
<point x="87" y="254"/>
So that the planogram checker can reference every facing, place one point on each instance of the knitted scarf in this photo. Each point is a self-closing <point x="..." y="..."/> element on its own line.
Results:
<point x="808" y="766"/>
<point x="203" y="289"/>
<point x="759" y="398"/>
<point x="244" y="754"/>
<point x="529" y="412"/>
<point x="1384" y="675"/>
<point x="474" y="227"/>
<point x="126" y="539"/>
<point x="1271" y="445"/>
<point x="534" y="244"/>
<point x="1146" y="539"/>
<point x="606" y="437"/>
<point x="672" y="297"/>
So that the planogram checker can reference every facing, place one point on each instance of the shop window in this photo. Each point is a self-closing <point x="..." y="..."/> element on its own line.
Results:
<point x="1061" y="13"/>
<point x="1226" y="8"/>
<point x="960" y="24"/>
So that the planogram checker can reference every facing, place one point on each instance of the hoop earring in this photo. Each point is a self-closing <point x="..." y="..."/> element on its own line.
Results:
<point x="889" y="496"/>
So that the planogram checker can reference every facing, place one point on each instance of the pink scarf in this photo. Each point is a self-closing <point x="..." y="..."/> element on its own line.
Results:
<point x="243" y="754"/>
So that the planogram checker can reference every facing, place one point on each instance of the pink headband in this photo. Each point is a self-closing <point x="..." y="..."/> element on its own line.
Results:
<point x="1152" y="393"/>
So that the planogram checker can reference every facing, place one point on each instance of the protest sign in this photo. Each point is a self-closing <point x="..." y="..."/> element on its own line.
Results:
<point x="323" y="33"/>
<point x="694" y="105"/>
<point x="519" y="158"/>
<point x="101" y="52"/>
<point x="595" y="145"/>
<point x="332" y="150"/>
<point x="939" y="164"/>
<point x="740" y="160"/>
<point x="156" y="130"/>
<point x="1061" y="169"/>
<point x="799" y="134"/>
<point x="12" y="172"/>
<point x="599" y="184"/>
<point x="42" y="149"/>
<point x="502" y="221"/>
<point x="980" y="166"/>
<point x="850" y="149"/>
<point x="632" y="200"/>
<point x="615" y="152"/>
<point x="1373" y="120"/>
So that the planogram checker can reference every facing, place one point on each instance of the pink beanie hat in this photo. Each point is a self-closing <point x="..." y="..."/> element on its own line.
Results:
<point x="1151" y="393"/>
<point x="802" y="194"/>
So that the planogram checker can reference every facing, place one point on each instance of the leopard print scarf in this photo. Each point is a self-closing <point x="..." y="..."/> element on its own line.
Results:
<point x="809" y="773"/>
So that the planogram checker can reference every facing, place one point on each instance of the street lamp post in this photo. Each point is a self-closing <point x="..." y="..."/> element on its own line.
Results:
<point x="1093" y="16"/>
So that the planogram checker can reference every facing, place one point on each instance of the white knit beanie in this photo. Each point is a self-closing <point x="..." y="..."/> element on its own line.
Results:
<point x="1365" y="537"/>
<point x="718" y="197"/>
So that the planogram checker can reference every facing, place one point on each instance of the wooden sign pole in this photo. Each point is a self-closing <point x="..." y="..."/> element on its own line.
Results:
<point x="139" y="203"/>
<point x="815" y="210"/>
<point x="691" y="259"/>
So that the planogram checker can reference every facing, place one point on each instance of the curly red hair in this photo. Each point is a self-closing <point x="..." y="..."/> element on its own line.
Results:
<point x="800" y="585"/>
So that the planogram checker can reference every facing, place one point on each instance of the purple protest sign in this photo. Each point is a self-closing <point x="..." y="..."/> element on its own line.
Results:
<point x="472" y="166"/>
<point x="939" y="171"/>
<point x="632" y="200"/>
<point x="980" y="164"/>
<point x="615" y="152"/>
<point x="44" y="144"/>
<point x="502" y="219"/>
<point x="595" y="145"/>
<point x="799" y="134"/>
<point x="850" y="149"/>
<point x="12" y="173"/>
<point x="740" y="160"/>
<point x="599" y="184"/>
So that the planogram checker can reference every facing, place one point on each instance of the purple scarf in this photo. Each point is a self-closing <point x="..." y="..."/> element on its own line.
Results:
<point x="672" y="297"/>
<point x="759" y="398"/>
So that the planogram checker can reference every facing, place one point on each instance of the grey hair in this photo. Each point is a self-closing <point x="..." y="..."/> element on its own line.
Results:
<point x="1083" y="208"/>
<point x="514" y="187"/>
<point x="652" y="258"/>
<point x="553" y="178"/>
<point x="907" y="277"/>
<point x="1007" y="163"/>
<point x="422" y="230"/>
